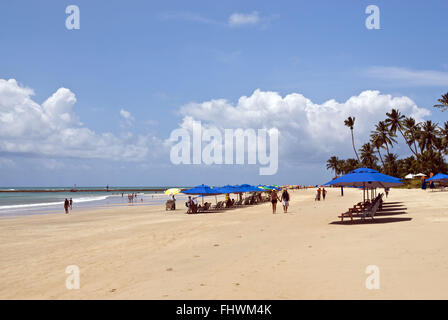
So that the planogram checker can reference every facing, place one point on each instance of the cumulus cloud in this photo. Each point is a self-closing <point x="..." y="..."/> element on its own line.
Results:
<point x="236" y="19"/>
<point x="240" y="19"/>
<point x="410" y="77"/>
<point x="308" y="131"/>
<point x="53" y="129"/>
<point x="127" y="117"/>
<point x="188" y="16"/>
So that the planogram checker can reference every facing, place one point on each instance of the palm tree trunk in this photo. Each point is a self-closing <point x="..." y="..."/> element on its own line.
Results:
<point x="409" y="145"/>
<point x="353" y="143"/>
<point x="387" y="149"/>
<point x="415" y="146"/>
<point x="381" y="158"/>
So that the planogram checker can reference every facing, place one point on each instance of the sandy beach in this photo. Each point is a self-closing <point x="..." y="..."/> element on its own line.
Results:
<point x="144" y="252"/>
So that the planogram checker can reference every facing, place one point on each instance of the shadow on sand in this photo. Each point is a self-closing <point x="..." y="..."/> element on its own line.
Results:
<point x="370" y="221"/>
<point x="385" y="215"/>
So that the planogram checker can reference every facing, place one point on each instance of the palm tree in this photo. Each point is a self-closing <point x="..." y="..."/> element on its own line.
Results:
<point x="411" y="131"/>
<point x="387" y="137"/>
<point x="429" y="139"/>
<point x="333" y="164"/>
<point x="395" y="122"/>
<point x="350" y="122"/>
<point x="368" y="157"/>
<point x="443" y="102"/>
<point x="391" y="164"/>
<point x="444" y="137"/>
<point x="377" y="142"/>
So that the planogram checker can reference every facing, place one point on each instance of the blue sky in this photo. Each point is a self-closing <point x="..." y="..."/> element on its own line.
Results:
<point x="150" y="59"/>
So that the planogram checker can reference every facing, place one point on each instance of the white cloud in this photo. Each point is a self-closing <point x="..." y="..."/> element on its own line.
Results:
<point x="53" y="129"/>
<point x="188" y="16"/>
<point x="236" y="19"/>
<point x="410" y="77"/>
<point x="240" y="19"/>
<point x="127" y="117"/>
<point x="309" y="132"/>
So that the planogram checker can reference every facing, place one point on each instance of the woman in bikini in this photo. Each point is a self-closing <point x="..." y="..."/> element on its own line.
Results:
<point x="274" y="199"/>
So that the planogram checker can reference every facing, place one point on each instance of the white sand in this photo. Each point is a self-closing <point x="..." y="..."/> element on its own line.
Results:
<point x="144" y="252"/>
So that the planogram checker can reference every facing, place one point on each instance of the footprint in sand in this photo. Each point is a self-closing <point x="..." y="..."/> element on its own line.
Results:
<point x="196" y="256"/>
<point x="216" y="245"/>
<point x="237" y="284"/>
<point x="202" y="285"/>
<point x="169" y="269"/>
<point x="113" y="290"/>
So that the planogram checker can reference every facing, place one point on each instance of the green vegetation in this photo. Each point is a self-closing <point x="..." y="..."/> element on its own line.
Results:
<point x="427" y="141"/>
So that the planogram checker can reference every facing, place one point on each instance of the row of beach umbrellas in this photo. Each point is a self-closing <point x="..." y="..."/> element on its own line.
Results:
<point x="210" y="190"/>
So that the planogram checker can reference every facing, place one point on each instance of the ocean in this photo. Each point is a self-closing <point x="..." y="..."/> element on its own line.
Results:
<point x="51" y="200"/>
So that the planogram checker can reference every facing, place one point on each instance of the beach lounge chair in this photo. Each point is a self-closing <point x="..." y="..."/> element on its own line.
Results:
<point x="371" y="212"/>
<point x="367" y="209"/>
<point x="218" y="205"/>
<point x="170" y="205"/>
<point x="205" y="207"/>
<point x="350" y="213"/>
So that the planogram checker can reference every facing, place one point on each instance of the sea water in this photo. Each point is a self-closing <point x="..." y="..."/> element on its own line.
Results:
<point x="51" y="200"/>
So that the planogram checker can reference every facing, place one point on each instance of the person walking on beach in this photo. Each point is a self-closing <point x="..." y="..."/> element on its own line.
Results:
<point x="66" y="205"/>
<point x="317" y="195"/>
<point x="285" y="200"/>
<point x="174" y="201"/>
<point x="386" y="190"/>
<point x="71" y="203"/>
<point x="274" y="199"/>
<point x="324" y="194"/>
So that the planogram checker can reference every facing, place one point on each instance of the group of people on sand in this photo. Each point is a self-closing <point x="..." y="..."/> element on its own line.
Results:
<point x="284" y="198"/>
<point x="320" y="193"/>
<point x="192" y="204"/>
<point x="132" y="197"/>
<point x="68" y="204"/>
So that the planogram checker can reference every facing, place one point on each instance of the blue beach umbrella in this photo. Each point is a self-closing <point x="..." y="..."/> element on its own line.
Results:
<point x="366" y="178"/>
<point x="438" y="177"/>
<point x="249" y="188"/>
<point x="226" y="189"/>
<point x="203" y="190"/>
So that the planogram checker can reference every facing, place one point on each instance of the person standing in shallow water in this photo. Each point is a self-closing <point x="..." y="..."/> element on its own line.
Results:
<point x="71" y="203"/>
<point x="66" y="205"/>
<point x="274" y="199"/>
